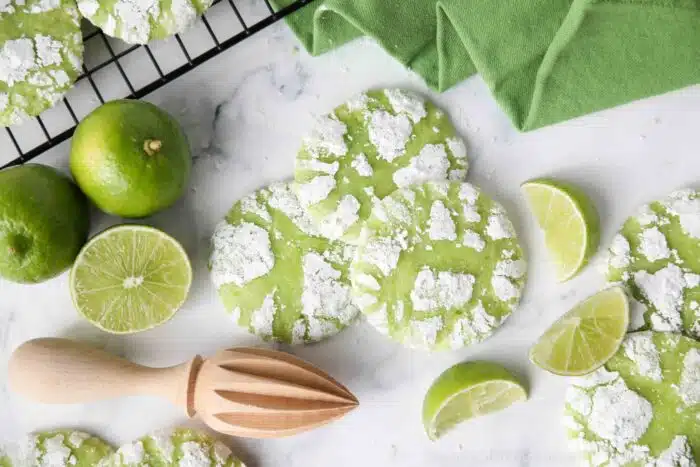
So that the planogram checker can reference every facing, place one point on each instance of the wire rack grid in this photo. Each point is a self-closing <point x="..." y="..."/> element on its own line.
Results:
<point x="225" y="24"/>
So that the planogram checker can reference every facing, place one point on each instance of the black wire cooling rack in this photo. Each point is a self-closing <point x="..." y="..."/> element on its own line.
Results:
<point x="226" y="23"/>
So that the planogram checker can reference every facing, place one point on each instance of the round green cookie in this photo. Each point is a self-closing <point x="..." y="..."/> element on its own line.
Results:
<point x="657" y="256"/>
<point x="279" y="277"/>
<point x="41" y="53"/>
<point x="178" y="448"/>
<point x="140" y="21"/>
<point x="438" y="266"/>
<point x="58" y="448"/>
<point x="367" y="148"/>
<point x="642" y="408"/>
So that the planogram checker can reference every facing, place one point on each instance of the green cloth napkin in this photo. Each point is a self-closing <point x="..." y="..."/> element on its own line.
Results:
<point x="545" y="61"/>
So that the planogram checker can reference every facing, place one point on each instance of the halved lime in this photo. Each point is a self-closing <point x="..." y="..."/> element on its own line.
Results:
<point x="468" y="390"/>
<point x="130" y="278"/>
<point x="569" y="221"/>
<point x="586" y="337"/>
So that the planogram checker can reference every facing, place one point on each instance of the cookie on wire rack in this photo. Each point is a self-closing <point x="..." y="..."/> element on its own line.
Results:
<point x="41" y="54"/>
<point x="366" y="148"/>
<point x="141" y="21"/>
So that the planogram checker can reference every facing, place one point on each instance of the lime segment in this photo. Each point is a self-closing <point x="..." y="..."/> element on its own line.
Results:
<point x="586" y="337"/>
<point x="569" y="221"/>
<point x="130" y="278"/>
<point x="468" y="390"/>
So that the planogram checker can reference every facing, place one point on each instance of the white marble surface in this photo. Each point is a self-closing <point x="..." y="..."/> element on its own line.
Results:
<point x="246" y="112"/>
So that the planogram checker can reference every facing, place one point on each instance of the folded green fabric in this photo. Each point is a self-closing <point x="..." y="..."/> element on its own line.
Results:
<point x="545" y="61"/>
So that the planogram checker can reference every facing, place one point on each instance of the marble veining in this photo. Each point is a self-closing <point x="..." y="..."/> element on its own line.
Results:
<point x="245" y="113"/>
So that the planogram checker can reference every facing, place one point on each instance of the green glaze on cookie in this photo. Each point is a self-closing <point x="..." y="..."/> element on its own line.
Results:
<point x="657" y="256"/>
<point x="438" y="266"/>
<point x="178" y="448"/>
<point x="59" y="448"/>
<point x="41" y="53"/>
<point x="140" y="21"/>
<point x="368" y="147"/>
<point x="279" y="277"/>
<point x="642" y="408"/>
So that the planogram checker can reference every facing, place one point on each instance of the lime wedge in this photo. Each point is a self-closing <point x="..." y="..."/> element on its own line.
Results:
<point x="468" y="390"/>
<point x="130" y="278"/>
<point x="569" y="221"/>
<point x="586" y="337"/>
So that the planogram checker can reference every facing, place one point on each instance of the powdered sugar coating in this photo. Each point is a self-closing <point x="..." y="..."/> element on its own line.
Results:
<point x="654" y="255"/>
<point x="181" y="447"/>
<point x="59" y="448"/>
<point x="40" y="60"/>
<point x="615" y="418"/>
<point x="277" y="274"/>
<point x="368" y="147"/>
<point x="444" y="294"/>
<point x="141" y="21"/>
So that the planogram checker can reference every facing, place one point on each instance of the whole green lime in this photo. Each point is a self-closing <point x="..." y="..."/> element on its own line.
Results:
<point x="44" y="221"/>
<point x="131" y="158"/>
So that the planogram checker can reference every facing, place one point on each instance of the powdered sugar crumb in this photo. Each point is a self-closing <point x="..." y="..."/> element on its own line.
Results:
<point x="653" y="244"/>
<point x="468" y="193"/>
<point x="240" y="254"/>
<point x="473" y="240"/>
<point x="619" y="252"/>
<point x="689" y="388"/>
<point x="362" y="165"/>
<point x="664" y="290"/>
<point x="441" y="291"/>
<point x="315" y="190"/>
<point x="474" y="329"/>
<point x="503" y="288"/>
<point x="384" y="252"/>
<point x="389" y="134"/>
<point x="194" y="454"/>
<point x="431" y="163"/>
<point x="327" y="137"/>
<point x="619" y="415"/>
<point x="499" y="226"/>
<point x="324" y="295"/>
<point x="346" y="214"/>
<point x="442" y="227"/>
<point x="640" y="348"/>
<point x="406" y="102"/>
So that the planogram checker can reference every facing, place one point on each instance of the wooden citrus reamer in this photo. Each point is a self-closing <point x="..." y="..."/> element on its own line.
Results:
<point x="247" y="392"/>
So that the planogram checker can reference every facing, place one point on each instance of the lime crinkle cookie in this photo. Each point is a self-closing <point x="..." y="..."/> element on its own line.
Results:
<point x="642" y="408"/>
<point x="657" y="256"/>
<point x="438" y="266"/>
<point x="181" y="447"/>
<point x="57" y="448"/>
<point x="140" y="21"/>
<point x="281" y="279"/>
<point x="41" y="50"/>
<point x="365" y="149"/>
